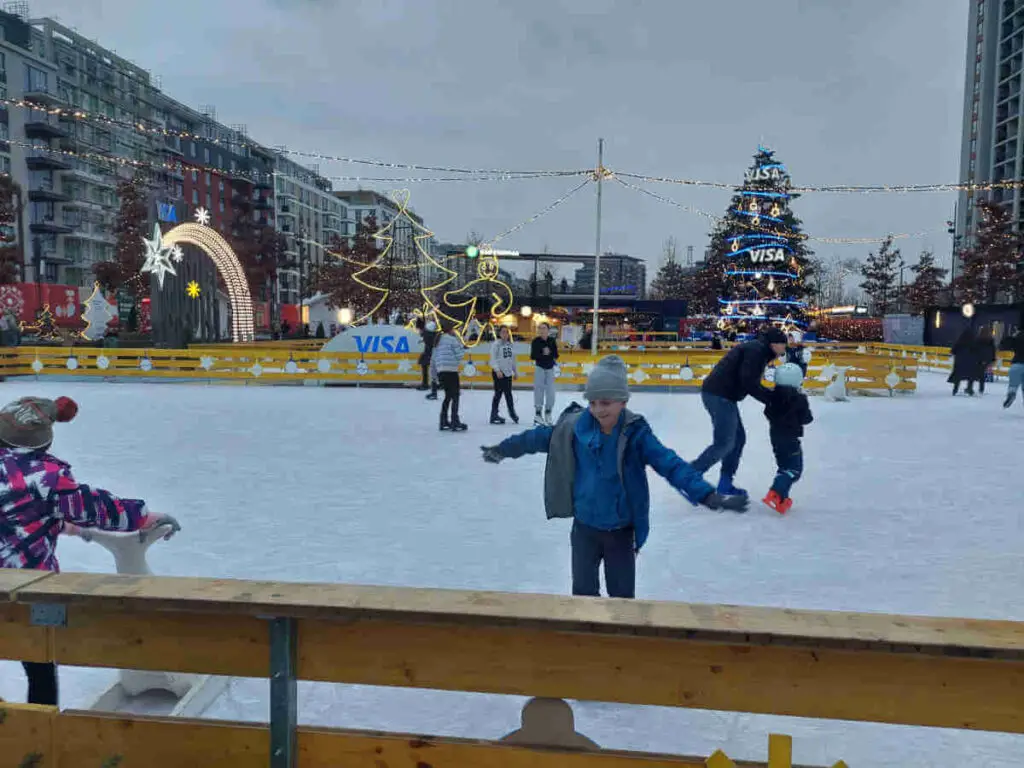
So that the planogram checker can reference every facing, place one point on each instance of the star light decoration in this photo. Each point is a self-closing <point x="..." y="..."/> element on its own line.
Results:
<point x="202" y="217"/>
<point x="158" y="257"/>
<point x="193" y="290"/>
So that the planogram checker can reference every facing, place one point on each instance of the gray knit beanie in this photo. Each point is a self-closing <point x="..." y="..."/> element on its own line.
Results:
<point x="608" y="381"/>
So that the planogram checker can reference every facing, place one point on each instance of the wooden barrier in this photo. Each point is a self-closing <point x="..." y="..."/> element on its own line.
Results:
<point x="951" y="673"/>
<point x="938" y="359"/>
<point x="651" y="369"/>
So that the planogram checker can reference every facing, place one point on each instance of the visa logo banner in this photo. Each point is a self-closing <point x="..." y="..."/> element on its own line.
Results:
<point x="167" y="212"/>
<point x="383" y="343"/>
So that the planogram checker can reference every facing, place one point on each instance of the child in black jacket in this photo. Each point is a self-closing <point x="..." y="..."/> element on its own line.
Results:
<point x="788" y="412"/>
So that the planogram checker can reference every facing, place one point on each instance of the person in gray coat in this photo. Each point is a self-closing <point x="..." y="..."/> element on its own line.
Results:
<point x="447" y="361"/>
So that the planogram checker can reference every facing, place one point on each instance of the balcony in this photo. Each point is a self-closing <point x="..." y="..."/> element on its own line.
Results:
<point x="44" y="129"/>
<point x="41" y="160"/>
<point x="46" y="192"/>
<point x="50" y="226"/>
<point x="263" y="203"/>
<point x="77" y="172"/>
<point x="41" y="94"/>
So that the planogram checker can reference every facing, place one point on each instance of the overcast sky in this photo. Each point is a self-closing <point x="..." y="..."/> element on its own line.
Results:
<point x="846" y="92"/>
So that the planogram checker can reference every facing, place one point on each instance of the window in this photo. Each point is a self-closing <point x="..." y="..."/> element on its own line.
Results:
<point x="209" y="202"/>
<point x="192" y="148"/>
<point x="208" y="179"/>
<point x="206" y="154"/>
<point x="221" y="185"/>
<point x="220" y="161"/>
<point x="195" y="196"/>
<point x="222" y="205"/>
<point x="195" y="176"/>
<point x="36" y="80"/>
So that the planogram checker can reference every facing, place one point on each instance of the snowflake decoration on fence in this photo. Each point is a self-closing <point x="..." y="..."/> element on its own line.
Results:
<point x="202" y="217"/>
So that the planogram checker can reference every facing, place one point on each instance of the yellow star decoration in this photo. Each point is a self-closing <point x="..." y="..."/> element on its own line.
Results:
<point x="192" y="289"/>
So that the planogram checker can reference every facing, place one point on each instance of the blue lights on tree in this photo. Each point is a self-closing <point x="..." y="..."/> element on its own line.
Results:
<point x="761" y="251"/>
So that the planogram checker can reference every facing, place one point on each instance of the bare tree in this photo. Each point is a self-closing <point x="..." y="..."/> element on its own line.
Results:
<point x="670" y="251"/>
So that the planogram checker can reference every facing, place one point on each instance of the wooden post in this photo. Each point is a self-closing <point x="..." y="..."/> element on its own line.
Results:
<point x="283" y="692"/>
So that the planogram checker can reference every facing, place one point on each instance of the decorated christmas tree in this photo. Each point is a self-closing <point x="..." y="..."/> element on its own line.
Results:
<point x="761" y="253"/>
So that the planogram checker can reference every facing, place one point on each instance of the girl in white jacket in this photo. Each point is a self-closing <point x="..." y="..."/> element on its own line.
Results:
<point x="503" y="371"/>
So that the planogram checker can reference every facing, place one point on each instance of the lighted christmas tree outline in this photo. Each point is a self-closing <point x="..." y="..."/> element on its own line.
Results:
<point x="45" y="326"/>
<point x="401" y="200"/>
<point x="500" y="294"/>
<point x="97" y="315"/>
<point x="761" y="250"/>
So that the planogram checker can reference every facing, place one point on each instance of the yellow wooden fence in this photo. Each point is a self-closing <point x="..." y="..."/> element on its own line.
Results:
<point x="947" y="673"/>
<point x="939" y="359"/>
<point x="869" y="372"/>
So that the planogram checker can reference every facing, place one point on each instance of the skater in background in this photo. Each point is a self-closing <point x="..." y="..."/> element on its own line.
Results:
<point x="788" y="412"/>
<point x="544" y="354"/>
<point x="447" y="359"/>
<point x="736" y="375"/>
<point x="428" y="334"/>
<point x="984" y="357"/>
<point x="596" y="474"/>
<point x="1014" y="344"/>
<point x="795" y="351"/>
<point x="503" y="371"/>
<point x="40" y="499"/>
<point x="965" y="362"/>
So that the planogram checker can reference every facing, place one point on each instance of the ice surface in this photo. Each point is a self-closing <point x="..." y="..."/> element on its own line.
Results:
<point x="908" y="505"/>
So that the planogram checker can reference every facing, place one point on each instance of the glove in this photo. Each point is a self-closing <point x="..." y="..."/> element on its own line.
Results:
<point x="156" y="520"/>
<point x="491" y="454"/>
<point x="731" y="503"/>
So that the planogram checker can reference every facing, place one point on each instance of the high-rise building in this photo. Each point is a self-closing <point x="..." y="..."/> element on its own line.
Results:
<point x="992" y="147"/>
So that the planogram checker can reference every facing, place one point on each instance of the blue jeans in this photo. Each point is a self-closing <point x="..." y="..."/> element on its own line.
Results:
<point x="1016" y="378"/>
<point x="728" y="435"/>
<point x="789" y="458"/>
<point x="591" y="547"/>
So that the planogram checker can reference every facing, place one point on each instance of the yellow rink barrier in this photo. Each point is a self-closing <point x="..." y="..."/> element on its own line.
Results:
<point x="866" y="372"/>
<point x="935" y="672"/>
<point x="939" y="359"/>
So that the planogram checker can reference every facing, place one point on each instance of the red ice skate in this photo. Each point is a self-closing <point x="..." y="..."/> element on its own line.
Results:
<point x="777" y="503"/>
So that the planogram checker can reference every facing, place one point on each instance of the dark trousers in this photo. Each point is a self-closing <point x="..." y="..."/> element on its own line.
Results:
<point x="789" y="458"/>
<point x="42" y="683"/>
<point x="616" y="549"/>
<point x="728" y="436"/>
<point x="450" y="383"/>
<point x="425" y="368"/>
<point x="502" y="388"/>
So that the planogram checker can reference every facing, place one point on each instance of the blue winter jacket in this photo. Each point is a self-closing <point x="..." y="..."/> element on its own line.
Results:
<point x="637" y="449"/>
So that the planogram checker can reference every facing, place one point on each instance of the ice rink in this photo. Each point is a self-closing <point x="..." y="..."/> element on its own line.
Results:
<point x="908" y="505"/>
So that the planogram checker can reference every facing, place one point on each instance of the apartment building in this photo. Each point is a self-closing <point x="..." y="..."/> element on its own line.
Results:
<point x="310" y="217"/>
<point x="992" y="144"/>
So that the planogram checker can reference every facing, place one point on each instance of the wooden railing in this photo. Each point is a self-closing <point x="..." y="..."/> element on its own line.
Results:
<point x="939" y="359"/>
<point x="947" y="673"/>
<point x="256" y="364"/>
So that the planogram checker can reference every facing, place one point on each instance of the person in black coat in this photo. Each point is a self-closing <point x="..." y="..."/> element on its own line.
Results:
<point x="984" y="357"/>
<point x="965" y="362"/>
<point x="428" y="332"/>
<point x="737" y="375"/>
<point x="788" y="412"/>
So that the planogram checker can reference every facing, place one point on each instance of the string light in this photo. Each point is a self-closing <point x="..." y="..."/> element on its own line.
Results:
<point x="243" y="326"/>
<point x="497" y="289"/>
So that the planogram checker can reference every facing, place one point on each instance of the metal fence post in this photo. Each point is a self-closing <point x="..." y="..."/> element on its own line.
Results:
<point x="283" y="692"/>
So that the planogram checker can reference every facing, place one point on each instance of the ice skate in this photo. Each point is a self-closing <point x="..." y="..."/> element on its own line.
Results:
<point x="538" y="419"/>
<point x="548" y="421"/>
<point x="726" y="488"/>
<point x="432" y="396"/>
<point x="445" y="426"/>
<point x="778" y="503"/>
<point x="458" y="426"/>
<point x="496" y="419"/>
<point x="1010" y="397"/>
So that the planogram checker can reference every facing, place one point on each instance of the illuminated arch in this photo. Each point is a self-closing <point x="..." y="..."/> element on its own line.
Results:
<point x="243" y="326"/>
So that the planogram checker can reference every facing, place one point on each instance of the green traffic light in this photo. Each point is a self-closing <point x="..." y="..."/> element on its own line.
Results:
<point x="472" y="251"/>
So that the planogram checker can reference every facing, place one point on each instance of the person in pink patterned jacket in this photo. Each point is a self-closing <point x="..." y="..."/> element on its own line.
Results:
<point x="40" y="499"/>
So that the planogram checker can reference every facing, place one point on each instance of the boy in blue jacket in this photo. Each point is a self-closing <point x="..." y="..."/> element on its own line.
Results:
<point x="597" y="474"/>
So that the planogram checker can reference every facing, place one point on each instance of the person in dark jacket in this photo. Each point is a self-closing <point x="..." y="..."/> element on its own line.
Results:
<point x="544" y="354"/>
<point x="428" y="333"/>
<point x="984" y="357"/>
<point x="596" y="474"/>
<point x="1014" y="344"/>
<point x="737" y="375"/>
<point x="796" y="350"/>
<point x="788" y="412"/>
<point x="965" y="362"/>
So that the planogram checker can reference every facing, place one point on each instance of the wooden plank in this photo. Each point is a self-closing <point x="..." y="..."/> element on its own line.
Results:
<point x="733" y="624"/>
<point x="873" y="686"/>
<point x="87" y="739"/>
<point x="26" y="736"/>
<point x="164" y="642"/>
<point x="13" y="579"/>
<point x="19" y="641"/>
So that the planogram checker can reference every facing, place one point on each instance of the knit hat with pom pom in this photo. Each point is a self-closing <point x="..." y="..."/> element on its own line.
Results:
<point x="28" y="422"/>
